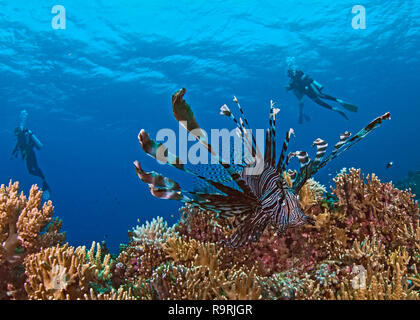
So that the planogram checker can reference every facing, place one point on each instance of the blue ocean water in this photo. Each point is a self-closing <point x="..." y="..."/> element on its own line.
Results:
<point x="91" y="87"/>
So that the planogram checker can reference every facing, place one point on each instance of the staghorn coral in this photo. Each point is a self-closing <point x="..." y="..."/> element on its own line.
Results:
<point x="374" y="208"/>
<point x="119" y="294"/>
<point x="64" y="272"/>
<point x="21" y="220"/>
<point x="25" y="228"/>
<point x="144" y="253"/>
<point x="152" y="233"/>
<point x="181" y="250"/>
<point x="202" y="225"/>
<point x="391" y="283"/>
<point x="310" y="194"/>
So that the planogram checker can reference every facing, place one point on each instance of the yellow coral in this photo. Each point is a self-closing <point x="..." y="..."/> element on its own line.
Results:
<point x="181" y="250"/>
<point x="64" y="272"/>
<point x="311" y="192"/>
<point x="21" y="220"/>
<point x="60" y="272"/>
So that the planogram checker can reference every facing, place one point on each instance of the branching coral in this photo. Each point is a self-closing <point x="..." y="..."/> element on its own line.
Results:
<point x="64" y="272"/>
<point x="374" y="208"/>
<point x="365" y="244"/>
<point x="21" y="220"/>
<point x="24" y="229"/>
<point x="152" y="233"/>
<point x="311" y="192"/>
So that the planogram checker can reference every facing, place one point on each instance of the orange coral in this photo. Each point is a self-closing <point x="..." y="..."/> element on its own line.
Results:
<point x="22" y="222"/>
<point x="21" y="219"/>
<point x="64" y="272"/>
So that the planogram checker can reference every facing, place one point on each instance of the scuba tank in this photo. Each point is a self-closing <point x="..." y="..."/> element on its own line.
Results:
<point x="35" y="140"/>
<point x="23" y="117"/>
<point x="318" y="85"/>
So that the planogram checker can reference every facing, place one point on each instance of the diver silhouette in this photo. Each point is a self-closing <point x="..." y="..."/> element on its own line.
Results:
<point x="26" y="142"/>
<point x="302" y="85"/>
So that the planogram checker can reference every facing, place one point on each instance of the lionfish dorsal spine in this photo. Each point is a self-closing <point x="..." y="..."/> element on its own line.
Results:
<point x="281" y="164"/>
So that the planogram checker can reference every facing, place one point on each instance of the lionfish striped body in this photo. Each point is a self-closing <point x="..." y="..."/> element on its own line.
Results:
<point x="257" y="198"/>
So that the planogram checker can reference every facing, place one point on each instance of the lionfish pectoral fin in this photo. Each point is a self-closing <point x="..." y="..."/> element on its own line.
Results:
<point x="158" y="151"/>
<point x="161" y="187"/>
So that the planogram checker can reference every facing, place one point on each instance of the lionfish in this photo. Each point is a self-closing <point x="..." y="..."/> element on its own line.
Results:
<point x="253" y="200"/>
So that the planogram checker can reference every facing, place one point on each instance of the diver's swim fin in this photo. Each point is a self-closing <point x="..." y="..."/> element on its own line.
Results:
<point x="341" y="112"/>
<point x="350" y="107"/>
<point x="347" y="106"/>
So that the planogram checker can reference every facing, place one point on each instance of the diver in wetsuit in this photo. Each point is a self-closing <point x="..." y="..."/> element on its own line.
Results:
<point x="26" y="142"/>
<point x="302" y="85"/>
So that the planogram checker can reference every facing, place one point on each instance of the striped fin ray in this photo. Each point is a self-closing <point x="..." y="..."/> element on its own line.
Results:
<point x="283" y="161"/>
<point x="165" y="188"/>
<point x="268" y="147"/>
<point x="292" y="174"/>
<point x="273" y="116"/>
<point x="270" y="143"/>
<point x="183" y="113"/>
<point x="161" y="187"/>
<point x="343" y="138"/>
<point x="149" y="146"/>
<point x="159" y="181"/>
<point x="344" y="144"/>
<point x="240" y="131"/>
<point x="321" y="149"/>
<point x="357" y="137"/>
<point x="158" y="150"/>
<point x="305" y="165"/>
<point x="246" y="128"/>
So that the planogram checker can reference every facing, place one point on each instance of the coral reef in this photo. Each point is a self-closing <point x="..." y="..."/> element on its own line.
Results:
<point x="365" y="244"/>
<point x="25" y="228"/>
<point x="412" y="182"/>
<point x="64" y="272"/>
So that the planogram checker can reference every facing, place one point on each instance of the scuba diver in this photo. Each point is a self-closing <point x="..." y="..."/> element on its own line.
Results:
<point x="26" y="142"/>
<point x="302" y="85"/>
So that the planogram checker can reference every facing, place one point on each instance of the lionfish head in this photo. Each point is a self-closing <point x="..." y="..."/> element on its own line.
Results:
<point x="299" y="218"/>
<point x="291" y="208"/>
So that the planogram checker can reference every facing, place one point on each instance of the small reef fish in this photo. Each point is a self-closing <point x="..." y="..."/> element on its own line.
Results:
<point x="389" y="165"/>
<point x="256" y="200"/>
